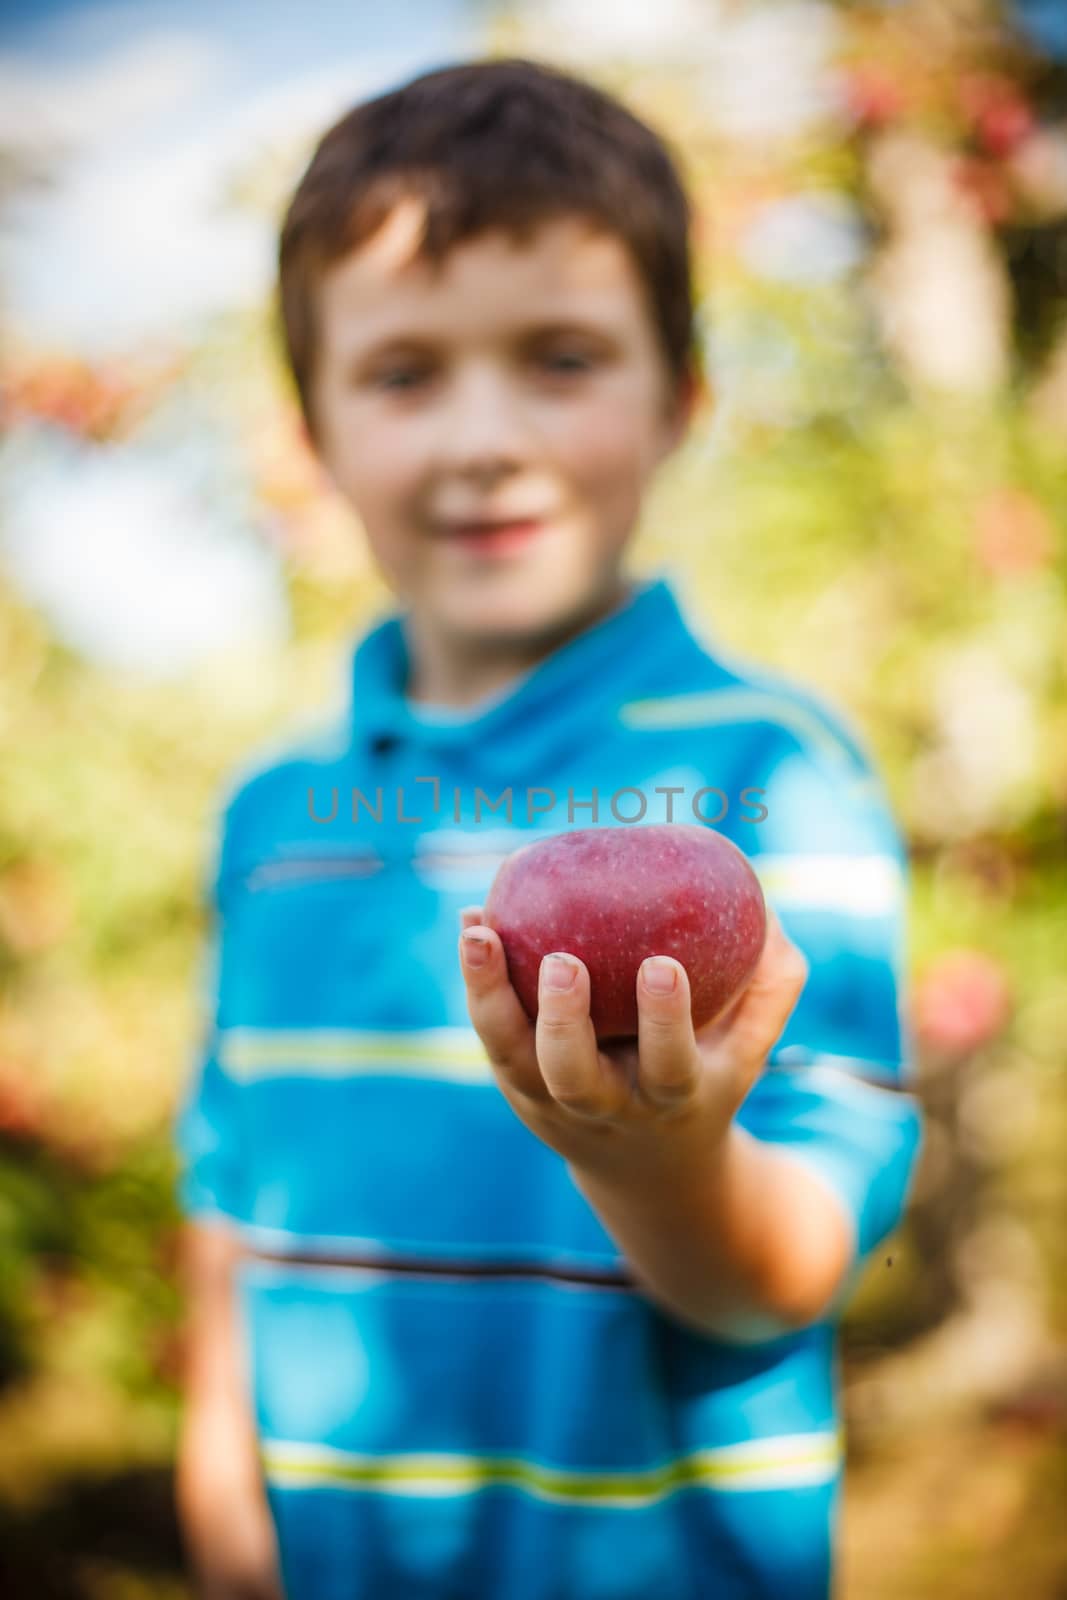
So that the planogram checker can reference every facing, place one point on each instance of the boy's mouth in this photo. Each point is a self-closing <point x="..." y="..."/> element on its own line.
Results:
<point x="493" y="538"/>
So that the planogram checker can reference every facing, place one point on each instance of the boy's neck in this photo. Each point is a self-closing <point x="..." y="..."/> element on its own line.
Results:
<point x="450" y="672"/>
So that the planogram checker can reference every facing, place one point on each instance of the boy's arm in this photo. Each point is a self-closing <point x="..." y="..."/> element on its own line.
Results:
<point x="814" y="1172"/>
<point x="721" y="1230"/>
<point x="817" y="1164"/>
<point x="222" y="1504"/>
<point x="745" y="1246"/>
<point x="838" y="1096"/>
<point x="751" y="1227"/>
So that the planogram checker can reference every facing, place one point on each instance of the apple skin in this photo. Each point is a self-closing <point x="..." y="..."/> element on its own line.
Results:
<point x="613" y="896"/>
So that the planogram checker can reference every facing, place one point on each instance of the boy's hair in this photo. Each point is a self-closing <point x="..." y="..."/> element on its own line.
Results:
<point x="505" y="143"/>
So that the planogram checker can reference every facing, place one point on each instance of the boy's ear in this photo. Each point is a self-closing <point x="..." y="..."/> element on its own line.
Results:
<point x="311" y="449"/>
<point x="692" y="394"/>
<point x="305" y="436"/>
<point x="697" y="394"/>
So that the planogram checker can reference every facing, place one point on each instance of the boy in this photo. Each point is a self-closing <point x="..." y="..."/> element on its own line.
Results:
<point x="475" y="1310"/>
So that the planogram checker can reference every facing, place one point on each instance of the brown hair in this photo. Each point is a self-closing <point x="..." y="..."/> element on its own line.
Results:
<point x="504" y="143"/>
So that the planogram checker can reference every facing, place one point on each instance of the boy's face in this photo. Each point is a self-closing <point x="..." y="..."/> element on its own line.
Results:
<point x="514" y="382"/>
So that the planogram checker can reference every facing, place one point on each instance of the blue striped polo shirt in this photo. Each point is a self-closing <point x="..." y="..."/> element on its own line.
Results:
<point x="459" y="1390"/>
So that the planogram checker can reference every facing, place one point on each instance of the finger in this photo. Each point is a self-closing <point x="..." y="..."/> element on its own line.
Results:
<point x="666" y="1045"/>
<point x="758" y="1018"/>
<point x="496" y="1011"/>
<point x="566" y="1041"/>
<point x="471" y="916"/>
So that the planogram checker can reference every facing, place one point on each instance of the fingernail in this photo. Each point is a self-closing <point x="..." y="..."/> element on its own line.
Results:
<point x="660" y="975"/>
<point x="475" y="949"/>
<point x="558" y="973"/>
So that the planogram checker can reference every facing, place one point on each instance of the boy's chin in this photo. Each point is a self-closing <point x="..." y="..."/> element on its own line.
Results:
<point x="522" y="624"/>
<point x="526" y="611"/>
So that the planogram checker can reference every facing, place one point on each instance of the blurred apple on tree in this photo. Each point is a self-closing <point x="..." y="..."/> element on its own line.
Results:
<point x="961" y="1002"/>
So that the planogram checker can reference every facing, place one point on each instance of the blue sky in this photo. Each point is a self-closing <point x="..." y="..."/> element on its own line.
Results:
<point x="144" y="110"/>
<point x="268" y="37"/>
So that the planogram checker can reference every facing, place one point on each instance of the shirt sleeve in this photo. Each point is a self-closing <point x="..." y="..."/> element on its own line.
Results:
<point x="207" y="1126"/>
<point x="837" y="1091"/>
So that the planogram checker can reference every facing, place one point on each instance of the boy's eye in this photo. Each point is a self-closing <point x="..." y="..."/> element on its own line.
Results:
<point x="399" y="378"/>
<point x="568" y="361"/>
<point x="404" y="379"/>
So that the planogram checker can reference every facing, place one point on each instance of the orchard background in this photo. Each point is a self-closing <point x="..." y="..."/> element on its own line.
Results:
<point x="876" y="503"/>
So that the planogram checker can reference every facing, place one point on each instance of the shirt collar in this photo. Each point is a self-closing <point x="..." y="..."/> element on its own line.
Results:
<point x="569" y="688"/>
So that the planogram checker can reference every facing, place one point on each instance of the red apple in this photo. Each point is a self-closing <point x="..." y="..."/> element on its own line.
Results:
<point x="613" y="896"/>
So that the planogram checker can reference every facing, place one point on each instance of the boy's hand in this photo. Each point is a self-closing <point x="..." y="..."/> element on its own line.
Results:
<point x="226" y="1522"/>
<point x="230" y="1540"/>
<point x="627" y="1106"/>
<point x="227" y="1528"/>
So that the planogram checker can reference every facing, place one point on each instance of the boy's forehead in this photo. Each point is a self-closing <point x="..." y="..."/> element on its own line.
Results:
<point x="565" y="267"/>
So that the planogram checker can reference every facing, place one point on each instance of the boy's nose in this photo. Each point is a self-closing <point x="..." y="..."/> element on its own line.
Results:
<point x="484" y="430"/>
